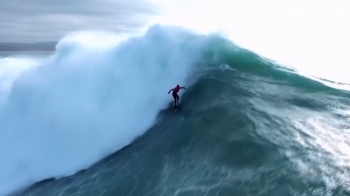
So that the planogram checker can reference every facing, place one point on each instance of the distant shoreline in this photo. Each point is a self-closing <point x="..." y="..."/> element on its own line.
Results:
<point x="40" y="46"/>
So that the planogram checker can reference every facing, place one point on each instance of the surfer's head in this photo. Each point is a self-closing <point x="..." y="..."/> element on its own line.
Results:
<point x="177" y="85"/>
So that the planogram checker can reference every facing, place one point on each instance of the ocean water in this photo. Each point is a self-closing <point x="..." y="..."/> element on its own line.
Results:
<point x="98" y="121"/>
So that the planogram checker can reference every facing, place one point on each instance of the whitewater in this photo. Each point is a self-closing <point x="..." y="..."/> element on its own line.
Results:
<point x="85" y="102"/>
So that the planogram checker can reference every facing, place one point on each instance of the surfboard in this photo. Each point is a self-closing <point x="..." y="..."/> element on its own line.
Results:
<point x="176" y="108"/>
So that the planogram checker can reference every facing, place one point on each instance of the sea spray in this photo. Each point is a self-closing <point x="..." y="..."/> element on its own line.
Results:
<point x="10" y="69"/>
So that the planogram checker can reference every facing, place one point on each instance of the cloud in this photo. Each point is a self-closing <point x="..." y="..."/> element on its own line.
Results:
<point x="42" y="20"/>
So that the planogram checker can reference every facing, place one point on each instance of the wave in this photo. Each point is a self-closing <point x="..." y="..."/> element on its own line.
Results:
<point x="84" y="103"/>
<point x="91" y="99"/>
<point x="226" y="52"/>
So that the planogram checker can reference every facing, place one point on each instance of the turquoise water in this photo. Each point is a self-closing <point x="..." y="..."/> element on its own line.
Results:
<point x="246" y="127"/>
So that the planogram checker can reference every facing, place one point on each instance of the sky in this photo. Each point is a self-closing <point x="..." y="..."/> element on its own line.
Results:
<point x="312" y="35"/>
<point x="43" y="20"/>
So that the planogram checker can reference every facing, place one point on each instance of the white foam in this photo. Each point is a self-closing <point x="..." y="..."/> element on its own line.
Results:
<point x="85" y="103"/>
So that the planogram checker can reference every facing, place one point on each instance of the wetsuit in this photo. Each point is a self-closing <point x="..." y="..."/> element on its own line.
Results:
<point x="175" y="95"/>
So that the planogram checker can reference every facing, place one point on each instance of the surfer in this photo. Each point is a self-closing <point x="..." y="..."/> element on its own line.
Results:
<point x="175" y="90"/>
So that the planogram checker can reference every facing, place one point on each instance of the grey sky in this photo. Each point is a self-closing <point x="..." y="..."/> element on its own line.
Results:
<point x="49" y="20"/>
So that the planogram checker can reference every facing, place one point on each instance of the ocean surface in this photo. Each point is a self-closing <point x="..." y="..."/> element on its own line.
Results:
<point x="88" y="120"/>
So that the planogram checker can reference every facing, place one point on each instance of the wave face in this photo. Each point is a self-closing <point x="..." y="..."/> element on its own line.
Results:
<point x="246" y="126"/>
<point x="84" y="103"/>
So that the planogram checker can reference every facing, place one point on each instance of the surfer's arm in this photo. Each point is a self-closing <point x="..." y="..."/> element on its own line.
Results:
<point x="170" y="90"/>
<point x="183" y="88"/>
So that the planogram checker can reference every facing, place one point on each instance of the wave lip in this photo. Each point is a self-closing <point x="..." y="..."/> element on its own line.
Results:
<point x="84" y="103"/>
